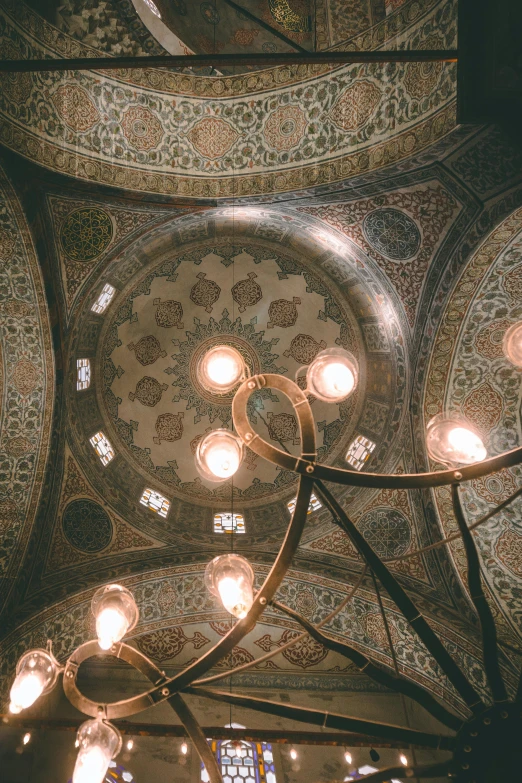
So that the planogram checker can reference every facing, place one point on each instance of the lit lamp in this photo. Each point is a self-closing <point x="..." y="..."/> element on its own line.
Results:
<point x="231" y="578"/>
<point x="512" y="344"/>
<point x="99" y="742"/>
<point x="454" y="441"/>
<point x="219" y="455"/>
<point x="240" y="750"/>
<point x="116" y="613"/>
<point x="36" y="673"/>
<point x="332" y="375"/>
<point x="348" y="757"/>
<point x="221" y="368"/>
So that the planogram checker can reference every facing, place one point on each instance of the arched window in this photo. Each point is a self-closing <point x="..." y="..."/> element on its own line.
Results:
<point x="254" y="763"/>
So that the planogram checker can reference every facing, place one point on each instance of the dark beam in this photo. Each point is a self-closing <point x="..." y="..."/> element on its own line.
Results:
<point x="266" y="60"/>
<point x="275" y="736"/>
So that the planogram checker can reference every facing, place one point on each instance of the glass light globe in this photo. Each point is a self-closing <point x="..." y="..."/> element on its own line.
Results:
<point x="221" y="368"/>
<point x="219" y="455"/>
<point x="231" y="578"/>
<point x="184" y="748"/>
<point x="332" y="375"/>
<point x="454" y="441"/>
<point x="348" y="757"/>
<point x="512" y="344"/>
<point x="36" y="673"/>
<point x="99" y="742"/>
<point x="116" y="613"/>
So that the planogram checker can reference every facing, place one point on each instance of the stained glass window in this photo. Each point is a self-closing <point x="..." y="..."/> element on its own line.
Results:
<point x="102" y="447"/>
<point x="359" y="452"/>
<point x="104" y="299"/>
<point x="153" y="7"/>
<point x="83" y="374"/>
<point x="254" y="763"/>
<point x="229" y="523"/>
<point x="314" y="505"/>
<point x="156" y="502"/>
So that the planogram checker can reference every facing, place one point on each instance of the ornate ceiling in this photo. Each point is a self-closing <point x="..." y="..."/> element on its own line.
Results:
<point x="362" y="218"/>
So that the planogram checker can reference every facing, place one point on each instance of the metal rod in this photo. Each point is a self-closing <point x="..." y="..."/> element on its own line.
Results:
<point x="198" y="737"/>
<point x="396" y="683"/>
<point x="261" y="59"/>
<point x="275" y="736"/>
<point x="330" y="720"/>
<point x="476" y="592"/>
<point x="265" y="26"/>
<point x="426" y="771"/>
<point x="403" y="602"/>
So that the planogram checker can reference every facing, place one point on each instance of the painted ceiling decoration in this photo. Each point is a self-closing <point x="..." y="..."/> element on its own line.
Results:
<point x="278" y="211"/>
<point x="332" y="126"/>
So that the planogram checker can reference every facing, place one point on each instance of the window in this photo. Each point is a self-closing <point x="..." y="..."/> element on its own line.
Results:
<point x="315" y="504"/>
<point x="359" y="452"/>
<point x="102" y="447"/>
<point x="254" y="764"/>
<point x="229" y="523"/>
<point x="104" y="299"/>
<point x="83" y="374"/>
<point x="156" y="502"/>
<point x="153" y="7"/>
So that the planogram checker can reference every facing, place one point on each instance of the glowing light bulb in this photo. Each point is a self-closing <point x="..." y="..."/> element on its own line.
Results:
<point x="293" y="754"/>
<point x="27" y="738"/>
<point x="221" y="368"/>
<point x="230" y="578"/>
<point x="332" y="375"/>
<point x="116" y="613"/>
<point x="403" y="760"/>
<point x="130" y="744"/>
<point x="454" y="441"/>
<point x="98" y="742"/>
<point x="348" y="757"/>
<point x="239" y="749"/>
<point x="512" y="344"/>
<point x="184" y="748"/>
<point x="36" y="674"/>
<point x="218" y="455"/>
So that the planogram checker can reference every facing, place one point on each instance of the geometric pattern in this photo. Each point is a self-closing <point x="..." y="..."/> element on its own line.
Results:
<point x="386" y="530"/>
<point x="86" y="233"/>
<point x="392" y="233"/>
<point x="87" y="526"/>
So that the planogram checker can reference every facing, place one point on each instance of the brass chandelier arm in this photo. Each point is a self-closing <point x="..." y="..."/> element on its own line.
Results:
<point x="330" y="720"/>
<point x="273" y="653"/>
<point x="195" y="733"/>
<point x="366" y="665"/>
<point x="424" y="771"/>
<point x="403" y="602"/>
<point x="476" y="592"/>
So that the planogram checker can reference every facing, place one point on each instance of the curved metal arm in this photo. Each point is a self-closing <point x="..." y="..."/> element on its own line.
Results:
<point x="364" y="664"/>
<point x="476" y="592"/>
<point x="404" y="603"/>
<point x="330" y="720"/>
<point x="198" y="738"/>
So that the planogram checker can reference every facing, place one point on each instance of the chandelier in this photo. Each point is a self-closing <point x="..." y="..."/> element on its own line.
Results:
<point x="481" y="744"/>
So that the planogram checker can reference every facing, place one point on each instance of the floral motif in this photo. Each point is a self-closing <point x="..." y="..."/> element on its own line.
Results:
<point x="387" y="531"/>
<point x="512" y="283"/>
<point x="213" y="137"/>
<point x="86" y="233"/>
<point x="376" y="630"/>
<point x="14" y="308"/>
<point x="283" y="313"/>
<point x="421" y="78"/>
<point x="509" y="551"/>
<point x="356" y="105"/>
<point x="495" y="488"/>
<point x="147" y="350"/>
<point x="169" y="427"/>
<point x="148" y="391"/>
<point x="167" y="643"/>
<point x="489" y="339"/>
<point x="282" y="427"/>
<point x="304" y="348"/>
<point x="18" y="446"/>
<point x="25" y="377"/>
<point x="484" y="407"/>
<point x="8" y="515"/>
<point x="306" y="602"/>
<point x="87" y="526"/>
<point x="285" y="127"/>
<point x="141" y="128"/>
<point x="247" y="292"/>
<point x="168" y="313"/>
<point x="392" y="233"/>
<point x="75" y="107"/>
<point x="7" y="244"/>
<point x="205" y="293"/>
<point x="245" y="37"/>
